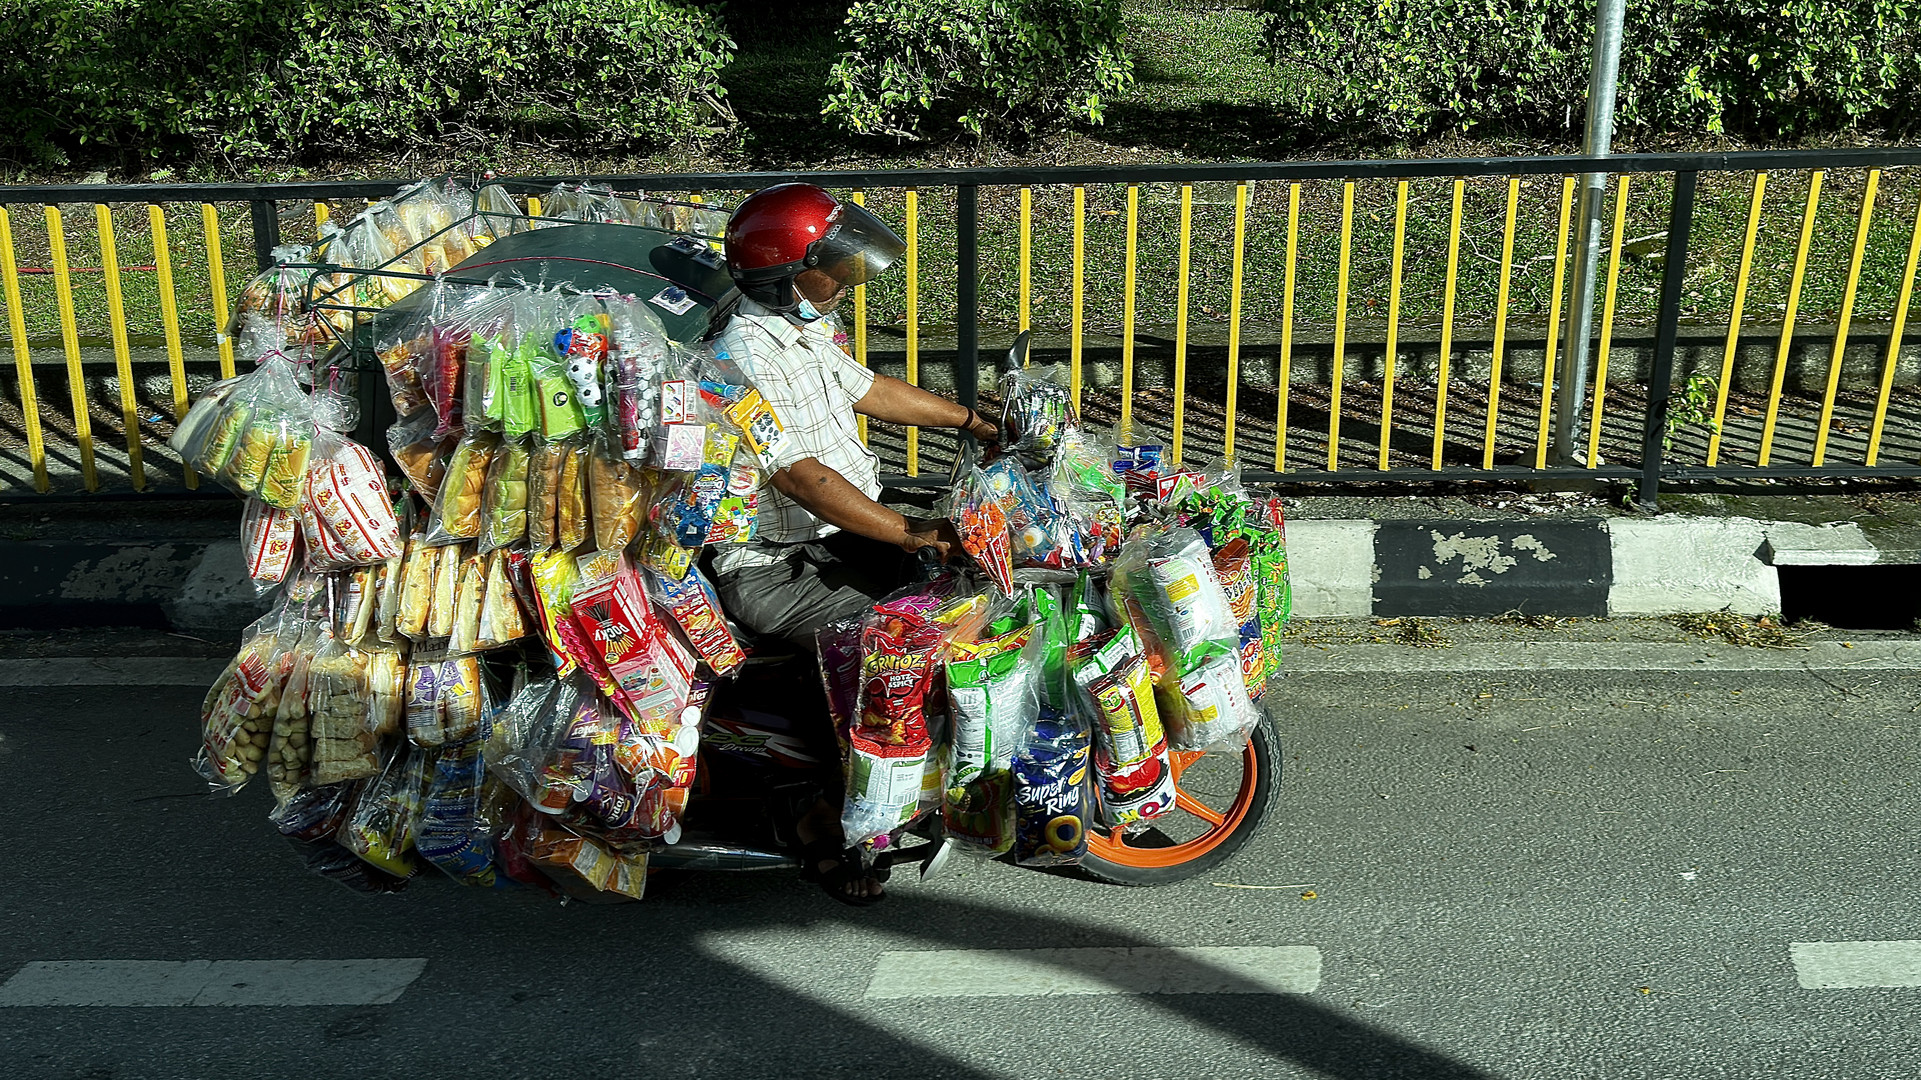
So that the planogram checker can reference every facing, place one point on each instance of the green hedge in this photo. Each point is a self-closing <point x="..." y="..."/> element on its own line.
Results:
<point x="1768" y="68"/>
<point x="254" y="78"/>
<point x="920" y="68"/>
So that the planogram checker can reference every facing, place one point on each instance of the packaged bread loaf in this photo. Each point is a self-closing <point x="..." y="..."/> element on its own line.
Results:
<point x="458" y="505"/>
<point x="543" y="493"/>
<point x="616" y="491"/>
<point x="570" y="522"/>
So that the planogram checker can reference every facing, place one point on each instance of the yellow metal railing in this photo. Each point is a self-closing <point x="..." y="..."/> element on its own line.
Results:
<point x="1360" y="273"/>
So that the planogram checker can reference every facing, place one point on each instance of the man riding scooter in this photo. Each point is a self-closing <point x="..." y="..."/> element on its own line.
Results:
<point x="826" y="547"/>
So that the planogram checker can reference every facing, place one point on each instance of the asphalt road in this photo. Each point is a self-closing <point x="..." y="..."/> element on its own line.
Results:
<point x="1506" y="874"/>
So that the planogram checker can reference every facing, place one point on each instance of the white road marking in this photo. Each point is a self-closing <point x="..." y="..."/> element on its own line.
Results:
<point x="110" y="671"/>
<point x="162" y="983"/>
<point x="1282" y="969"/>
<point x="1603" y="656"/>
<point x="1848" y="965"/>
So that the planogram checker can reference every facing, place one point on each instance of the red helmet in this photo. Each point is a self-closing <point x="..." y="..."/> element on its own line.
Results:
<point x="782" y="230"/>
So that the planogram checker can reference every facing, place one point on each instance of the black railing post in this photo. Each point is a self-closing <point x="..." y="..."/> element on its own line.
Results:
<point x="1680" y="219"/>
<point x="266" y="231"/>
<point x="967" y="296"/>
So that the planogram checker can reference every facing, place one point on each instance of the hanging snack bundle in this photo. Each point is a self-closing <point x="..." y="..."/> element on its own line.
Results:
<point x="1050" y="794"/>
<point x="1130" y="751"/>
<point x="1038" y="409"/>
<point x="993" y="688"/>
<point x="1169" y="578"/>
<point x="256" y="435"/>
<point x="982" y="523"/>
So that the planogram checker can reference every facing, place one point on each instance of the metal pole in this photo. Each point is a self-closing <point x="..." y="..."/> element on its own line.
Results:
<point x="967" y="296"/>
<point x="1587" y="248"/>
<point x="1654" y="433"/>
<point x="266" y="231"/>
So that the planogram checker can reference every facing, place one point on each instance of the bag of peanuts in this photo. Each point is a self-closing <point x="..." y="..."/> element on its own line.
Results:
<point x="236" y="719"/>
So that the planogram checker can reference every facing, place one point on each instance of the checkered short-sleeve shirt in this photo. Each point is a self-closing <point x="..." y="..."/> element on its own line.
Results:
<point x="811" y="385"/>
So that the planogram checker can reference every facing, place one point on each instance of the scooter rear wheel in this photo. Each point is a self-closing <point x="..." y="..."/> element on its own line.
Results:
<point x="1220" y="802"/>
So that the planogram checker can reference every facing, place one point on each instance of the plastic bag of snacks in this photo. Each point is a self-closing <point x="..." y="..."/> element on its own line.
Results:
<point x="1084" y="484"/>
<point x="344" y="748"/>
<point x="462" y="316"/>
<point x="617" y="489"/>
<point x="982" y="523"/>
<point x="271" y="314"/>
<point x="1130" y="750"/>
<point x="259" y="437"/>
<point x="457" y="821"/>
<point x="346" y="517"/>
<point x="402" y="346"/>
<point x="1040" y="536"/>
<point x="380" y="827"/>
<point x="1050" y="794"/>
<point x="890" y="741"/>
<point x="1169" y="577"/>
<point x="291" y="748"/>
<point x="457" y="509"/>
<point x="505" y="498"/>
<point x="543" y="493"/>
<point x="993" y="688"/>
<point x="421" y="455"/>
<point x="270" y="537"/>
<point x="571" y="521"/>
<point x="1038" y="408"/>
<point x="496" y="214"/>
<point x="236" y="718"/>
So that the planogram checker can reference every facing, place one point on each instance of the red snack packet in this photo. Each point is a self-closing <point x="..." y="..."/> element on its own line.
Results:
<point x="898" y="655"/>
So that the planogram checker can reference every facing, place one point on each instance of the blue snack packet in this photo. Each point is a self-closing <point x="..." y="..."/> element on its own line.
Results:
<point x="1050" y="795"/>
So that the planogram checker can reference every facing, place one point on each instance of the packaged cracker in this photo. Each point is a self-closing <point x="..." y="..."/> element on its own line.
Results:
<point x="470" y="589"/>
<point x="420" y="567"/>
<point x="1130" y="750"/>
<point x="381" y="826"/>
<point x="463" y="696"/>
<point x="694" y="607"/>
<point x="426" y="709"/>
<point x="344" y="747"/>
<point x="838" y="644"/>
<point x="994" y="695"/>
<point x="1208" y="708"/>
<point x="269" y="536"/>
<point x="457" y="510"/>
<point x="1050" y="794"/>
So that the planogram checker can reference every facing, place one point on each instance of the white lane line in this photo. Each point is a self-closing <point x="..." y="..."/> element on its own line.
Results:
<point x="110" y="671"/>
<point x="1848" y="965"/>
<point x="163" y="983"/>
<point x="1282" y="969"/>
<point x="1603" y="656"/>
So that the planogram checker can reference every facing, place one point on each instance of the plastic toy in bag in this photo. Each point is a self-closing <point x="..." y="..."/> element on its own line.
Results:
<point x="982" y="523"/>
<point x="581" y="345"/>
<point x="638" y="356"/>
<point x="1038" y="408"/>
<point x="1050" y="795"/>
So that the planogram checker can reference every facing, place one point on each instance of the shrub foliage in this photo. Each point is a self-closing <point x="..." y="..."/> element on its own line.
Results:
<point x="254" y="78"/>
<point x="1406" y="68"/>
<point x="922" y="68"/>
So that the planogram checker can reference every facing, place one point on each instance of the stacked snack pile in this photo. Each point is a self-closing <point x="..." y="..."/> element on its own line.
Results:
<point x="498" y="662"/>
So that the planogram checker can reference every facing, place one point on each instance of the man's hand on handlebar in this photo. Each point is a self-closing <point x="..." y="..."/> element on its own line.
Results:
<point x="935" y="533"/>
<point x="983" y="429"/>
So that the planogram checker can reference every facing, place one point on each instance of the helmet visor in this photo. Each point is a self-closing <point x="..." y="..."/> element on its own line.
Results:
<point x="857" y="248"/>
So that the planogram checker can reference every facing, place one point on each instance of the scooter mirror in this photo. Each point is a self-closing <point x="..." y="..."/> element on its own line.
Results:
<point x="1017" y="356"/>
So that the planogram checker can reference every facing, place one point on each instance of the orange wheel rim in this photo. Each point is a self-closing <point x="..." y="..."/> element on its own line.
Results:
<point x="1114" y="848"/>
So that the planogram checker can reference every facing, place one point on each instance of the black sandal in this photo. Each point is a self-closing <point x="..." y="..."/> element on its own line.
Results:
<point x="849" y="867"/>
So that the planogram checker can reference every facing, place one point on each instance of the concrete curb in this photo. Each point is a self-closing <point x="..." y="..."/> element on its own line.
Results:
<point x="1588" y="567"/>
<point x="1602" y="656"/>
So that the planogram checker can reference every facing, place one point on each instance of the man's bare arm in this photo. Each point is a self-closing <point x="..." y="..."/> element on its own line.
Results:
<point x="827" y="495"/>
<point x="899" y="402"/>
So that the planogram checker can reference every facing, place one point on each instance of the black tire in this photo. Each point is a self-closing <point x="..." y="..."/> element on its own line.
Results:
<point x="1267" y="788"/>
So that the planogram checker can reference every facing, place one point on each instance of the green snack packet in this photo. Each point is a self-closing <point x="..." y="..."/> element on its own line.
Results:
<point x="560" y="415"/>
<point x="519" y="411"/>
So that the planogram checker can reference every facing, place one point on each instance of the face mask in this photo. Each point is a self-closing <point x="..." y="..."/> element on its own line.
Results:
<point x="807" y="312"/>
